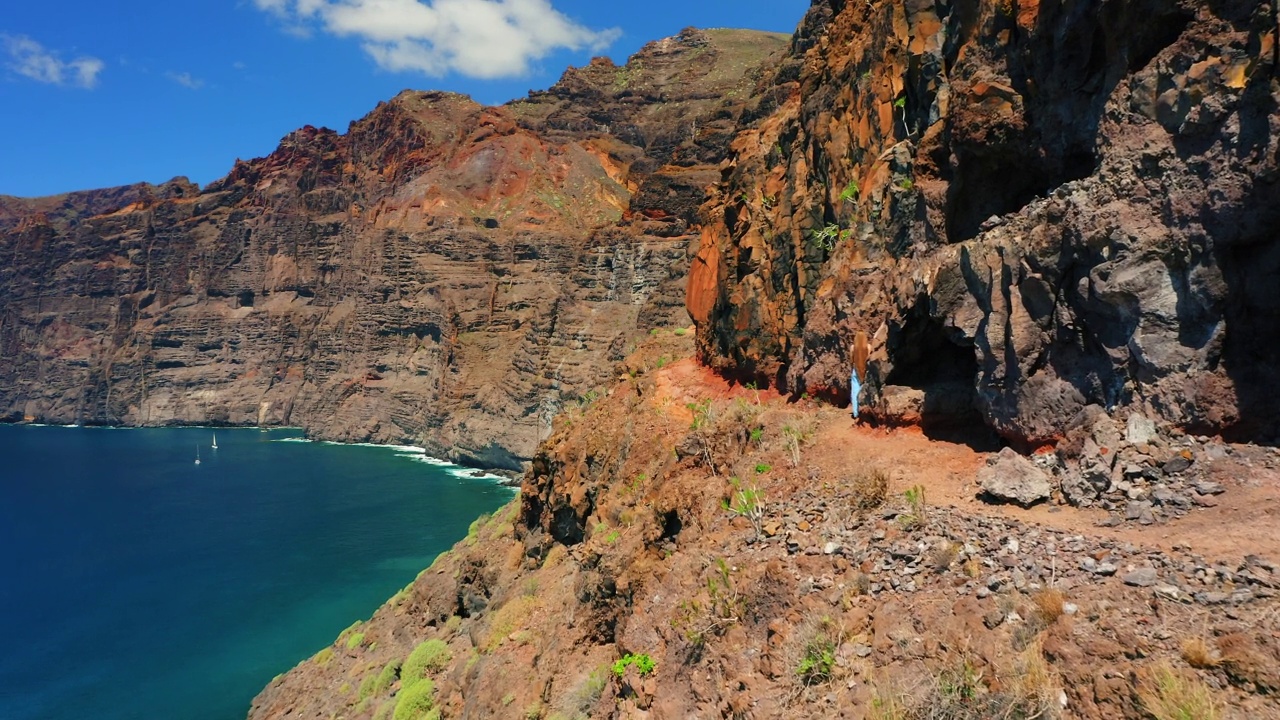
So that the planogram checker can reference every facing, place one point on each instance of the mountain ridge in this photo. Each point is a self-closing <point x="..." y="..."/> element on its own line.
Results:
<point x="389" y="283"/>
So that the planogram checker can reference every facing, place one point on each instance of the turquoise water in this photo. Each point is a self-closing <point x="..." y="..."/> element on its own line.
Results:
<point x="135" y="583"/>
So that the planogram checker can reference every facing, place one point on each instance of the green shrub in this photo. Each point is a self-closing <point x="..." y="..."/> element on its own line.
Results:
<point x="355" y="641"/>
<point x="389" y="673"/>
<point x="430" y="656"/>
<point x="323" y="657"/>
<point x="850" y="192"/>
<point x="829" y="236"/>
<point x="818" y="661"/>
<point x="817" y="657"/>
<point x="417" y="701"/>
<point x="342" y="636"/>
<point x="642" y="662"/>
<point x="367" y="685"/>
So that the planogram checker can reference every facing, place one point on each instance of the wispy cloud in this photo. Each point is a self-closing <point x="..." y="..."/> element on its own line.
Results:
<point x="185" y="80"/>
<point x="32" y="60"/>
<point x="478" y="38"/>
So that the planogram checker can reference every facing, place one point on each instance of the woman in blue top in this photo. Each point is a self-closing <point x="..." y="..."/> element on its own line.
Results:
<point x="855" y="387"/>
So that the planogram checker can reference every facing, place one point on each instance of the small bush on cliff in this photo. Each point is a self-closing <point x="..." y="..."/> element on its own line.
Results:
<point x="1199" y="654"/>
<point x="850" y="192"/>
<point x="817" y="657"/>
<point x="644" y="664"/>
<point x="430" y="656"/>
<point x="747" y="502"/>
<point x="796" y="437"/>
<point x="417" y="702"/>
<point x="389" y="673"/>
<point x="919" y="510"/>
<point x="829" y="236"/>
<point x="724" y="607"/>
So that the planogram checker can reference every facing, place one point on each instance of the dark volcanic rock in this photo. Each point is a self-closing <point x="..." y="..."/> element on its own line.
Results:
<point x="443" y="273"/>
<point x="1057" y="206"/>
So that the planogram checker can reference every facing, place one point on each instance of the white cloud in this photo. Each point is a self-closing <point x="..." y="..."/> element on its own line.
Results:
<point x="185" y="80"/>
<point x="478" y="38"/>
<point x="32" y="60"/>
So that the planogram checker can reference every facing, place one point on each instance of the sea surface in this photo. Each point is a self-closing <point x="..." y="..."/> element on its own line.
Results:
<point x="137" y="584"/>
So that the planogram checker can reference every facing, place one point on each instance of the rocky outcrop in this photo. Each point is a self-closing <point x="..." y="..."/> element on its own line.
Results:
<point x="443" y="273"/>
<point x="1029" y="207"/>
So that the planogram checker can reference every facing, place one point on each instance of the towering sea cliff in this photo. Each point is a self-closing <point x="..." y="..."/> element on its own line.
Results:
<point x="443" y="273"/>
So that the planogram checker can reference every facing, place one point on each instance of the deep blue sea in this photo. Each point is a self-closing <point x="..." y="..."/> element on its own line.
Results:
<point x="135" y="583"/>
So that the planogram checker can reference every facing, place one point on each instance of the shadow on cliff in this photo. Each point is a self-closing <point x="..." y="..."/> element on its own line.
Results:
<point x="940" y="374"/>
<point x="1248" y="250"/>
<point x="1081" y="53"/>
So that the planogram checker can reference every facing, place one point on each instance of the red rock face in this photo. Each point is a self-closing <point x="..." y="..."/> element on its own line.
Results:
<point x="1029" y="208"/>
<point x="443" y="273"/>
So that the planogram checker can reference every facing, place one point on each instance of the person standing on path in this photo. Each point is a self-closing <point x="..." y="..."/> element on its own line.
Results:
<point x="855" y="387"/>
<point x="859" y="370"/>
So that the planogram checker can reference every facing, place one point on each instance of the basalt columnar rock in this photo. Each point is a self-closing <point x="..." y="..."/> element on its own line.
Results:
<point x="1030" y="208"/>
<point x="443" y="273"/>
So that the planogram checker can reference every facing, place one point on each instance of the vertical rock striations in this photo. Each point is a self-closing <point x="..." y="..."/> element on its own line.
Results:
<point x="443" y="273"/>
<point x="1030" y="207"/>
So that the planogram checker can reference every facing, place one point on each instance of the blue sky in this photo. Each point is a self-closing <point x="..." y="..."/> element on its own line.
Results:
<point x="95" y="94"/>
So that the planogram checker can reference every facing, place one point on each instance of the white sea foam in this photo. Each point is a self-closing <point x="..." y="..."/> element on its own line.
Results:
<point x="429" y="460"/>
<point x="415" y="454"/>
<point x="472" y="473"/>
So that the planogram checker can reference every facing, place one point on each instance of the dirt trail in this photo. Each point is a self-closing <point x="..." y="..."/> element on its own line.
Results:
<point x="1242" y="523"/>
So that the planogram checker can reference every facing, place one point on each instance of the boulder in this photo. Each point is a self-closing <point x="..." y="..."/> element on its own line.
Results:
<point x="1011" y="477"/>
<point x="1140" y="430"/>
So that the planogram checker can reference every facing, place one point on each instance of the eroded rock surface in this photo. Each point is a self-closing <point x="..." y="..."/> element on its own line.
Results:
<point x="1029" y="208"/>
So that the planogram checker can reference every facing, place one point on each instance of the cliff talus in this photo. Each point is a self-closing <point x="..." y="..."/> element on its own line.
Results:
<point x="443" y="273"/>
<point x="1029" y="207"/>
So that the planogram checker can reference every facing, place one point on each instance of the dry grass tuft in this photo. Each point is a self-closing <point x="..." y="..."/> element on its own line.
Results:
<point x="1170" y="694"/>
<point x="942" y="556"/>
<point x="510" y="617"/>
<point x="1049" y="604"/>
<point x="1198" y="654"/>
<point x="1034" y="684"/>
<point x="870" y="489"/>
<point x="1027" y="688"/>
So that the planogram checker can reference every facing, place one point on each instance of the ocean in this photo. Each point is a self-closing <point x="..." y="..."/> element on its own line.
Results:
<point x="135" y="583"/>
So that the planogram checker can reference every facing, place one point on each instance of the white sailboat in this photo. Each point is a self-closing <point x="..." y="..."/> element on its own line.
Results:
<point x="215" y="441"/>
<point x="197" y="454"/>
